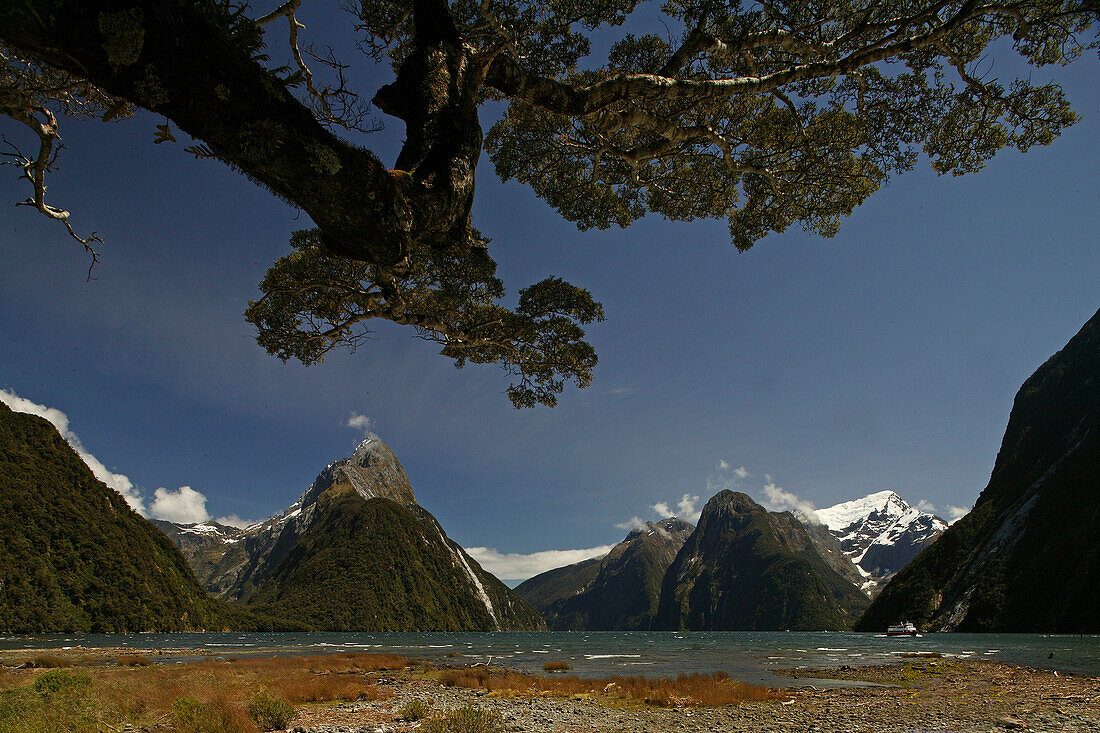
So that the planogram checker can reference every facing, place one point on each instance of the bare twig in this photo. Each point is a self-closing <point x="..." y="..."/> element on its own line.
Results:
<point x="43" y="123"/>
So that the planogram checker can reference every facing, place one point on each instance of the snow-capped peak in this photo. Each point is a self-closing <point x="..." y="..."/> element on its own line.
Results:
<point x="881" y="532"/>
<point x="841" y="516"/>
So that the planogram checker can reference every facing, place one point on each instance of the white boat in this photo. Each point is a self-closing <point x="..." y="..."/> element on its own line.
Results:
<point x="905" y="628"/>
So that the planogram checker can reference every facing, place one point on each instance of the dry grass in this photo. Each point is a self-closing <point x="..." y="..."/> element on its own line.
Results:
<point x="140" y="695"/>
<point x="133" y="660"/>
<point x="687" y="690"/>
<point x="48" y="661"/>
<point x="556" y="667"/>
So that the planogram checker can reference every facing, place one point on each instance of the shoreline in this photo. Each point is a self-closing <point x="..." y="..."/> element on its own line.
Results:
<point x="914" y="695"/>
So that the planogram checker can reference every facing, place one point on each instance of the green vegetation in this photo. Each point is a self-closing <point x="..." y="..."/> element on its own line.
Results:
<point x="270" y="712"/>
<point x="745" y="568"/>
<point x="765" y="115"/>
<point x="554" y="585"/>
<point x="618" y="592"/>
<point x="415" y="710"/>
<point x="237" y="696"/>
<point x="60" y="680"/>
<point x="77" y="558"/>
<point x="466" y="719"/>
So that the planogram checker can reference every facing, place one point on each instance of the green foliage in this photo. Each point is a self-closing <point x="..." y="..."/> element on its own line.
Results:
<point x="466" y="719"/>
<point x="315" y="301"/>
<point x="619" y="592"/>
<point x="415" y="709"/>
<point x="71" y="710"/>
<point x="747" y="569"/>
<point x="767" y="115"/>
<point x="191" y="716"/>
<point x="61" y="680"/>
<point x="270" y="712"/>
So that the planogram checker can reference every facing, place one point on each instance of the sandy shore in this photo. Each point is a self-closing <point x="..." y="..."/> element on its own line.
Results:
<point x="917" y="696"/>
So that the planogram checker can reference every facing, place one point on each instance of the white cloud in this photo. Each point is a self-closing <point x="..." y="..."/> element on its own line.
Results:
<point x="362" y="423"/>
<point x="518" y="566"/>
<point x="955" y="513"/>
<point x="778" y="499"/>
<point x="951" y="512"/>
<point x="725" y="476"/>
<point x="184" y="505"/>
<point x="685" y="509"/>
<point x="232" y="520"/>
<point x="60" y="420"/>
<point x="633" y="523"/>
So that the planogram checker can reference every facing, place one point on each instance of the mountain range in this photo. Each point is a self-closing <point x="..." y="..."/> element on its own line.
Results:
<point x="620" y="591"/>
<point x="745" y="568"/>
<point x="355" y="552"/>
<point x="1027" y="557"/>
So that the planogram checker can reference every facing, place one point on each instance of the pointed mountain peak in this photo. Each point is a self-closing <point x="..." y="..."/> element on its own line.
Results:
<point x="372" y="470"/>
<point x="730" y="501"/>
<point x="842" y="515"/>
<point x="670" y="528"/>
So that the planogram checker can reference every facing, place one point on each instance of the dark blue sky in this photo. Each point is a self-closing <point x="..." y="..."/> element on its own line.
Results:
<point x="886" y="357"/>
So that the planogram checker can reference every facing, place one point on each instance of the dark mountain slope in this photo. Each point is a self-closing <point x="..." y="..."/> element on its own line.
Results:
<point x="747" y="569"/>
<point x="1027" y="558"/>
<point x="74" y="557"/>
<point x="625" y="590"/>
<point x="558" y="584"/>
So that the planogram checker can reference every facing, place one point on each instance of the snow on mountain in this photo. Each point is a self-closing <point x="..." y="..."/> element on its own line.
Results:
<point x="881" y="533"/>
<point x="841" y="516"/>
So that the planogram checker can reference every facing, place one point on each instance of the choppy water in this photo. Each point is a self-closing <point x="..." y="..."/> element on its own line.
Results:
<point x="750" y="656"/>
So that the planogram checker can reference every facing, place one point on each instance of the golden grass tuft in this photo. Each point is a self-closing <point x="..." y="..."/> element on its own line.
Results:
<point x="48" y="661"/>
<point x="556" y="667"/>
<point x="687" y="690"/>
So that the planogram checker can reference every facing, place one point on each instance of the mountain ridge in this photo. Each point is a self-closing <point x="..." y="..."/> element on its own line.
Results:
<point x="1027" y="557"/>
<point x="881" y="533"/>
<point x="75" y="557"/>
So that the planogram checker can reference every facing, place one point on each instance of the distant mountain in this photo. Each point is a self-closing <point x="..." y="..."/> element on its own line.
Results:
<point x="558" y="584"/>
<point x="355" y="552"/>
<point x="828" y="546"/>
<point x="745" y="568"/>
<point x="881" y="533"/>
<point x="74" y="557"/>
<point x="1027" y="557"/>
<point x="618" y="592"/>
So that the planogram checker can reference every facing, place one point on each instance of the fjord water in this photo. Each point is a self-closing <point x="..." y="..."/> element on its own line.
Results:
<point x="745" y="655"/>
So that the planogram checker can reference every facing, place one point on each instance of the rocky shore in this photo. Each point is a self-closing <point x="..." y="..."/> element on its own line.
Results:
<point x="915" y="697"/>
<point x="920" y="695"/>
